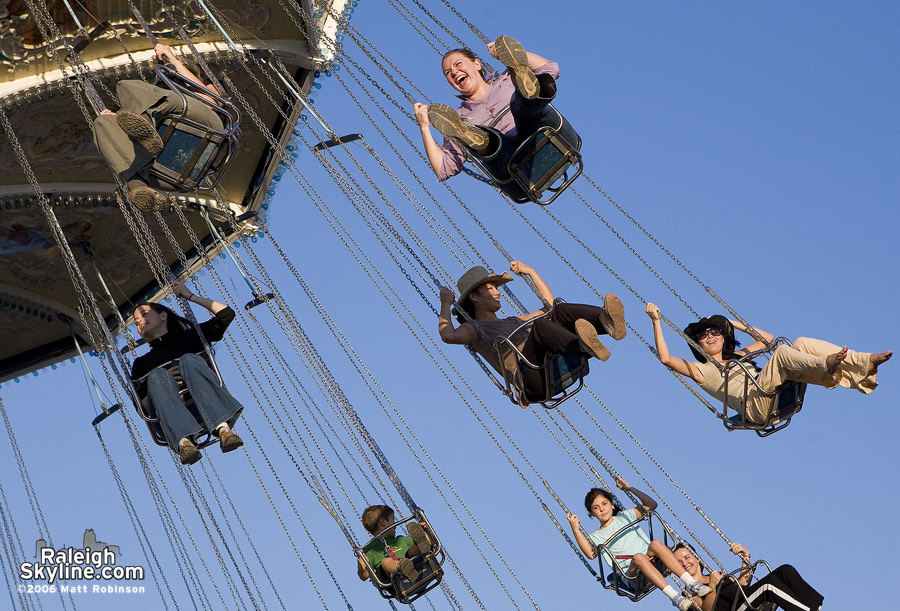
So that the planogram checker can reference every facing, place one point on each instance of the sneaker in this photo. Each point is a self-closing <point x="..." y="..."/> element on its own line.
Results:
<point x="143" y="197"/>
<point x="188" y="453"/>
<point x="513" y="56"/>
<point x="448" y="122"/>
<point x="140" y="130"/>
<point x="229" y="440"/>
<point x="613" y="317"/>
<point x="408" y="569"/>
<point x="590" y="343"/>
<point x="683" y="603"/>
<point x="417" y="534"/>
<point x="698" y="589"/>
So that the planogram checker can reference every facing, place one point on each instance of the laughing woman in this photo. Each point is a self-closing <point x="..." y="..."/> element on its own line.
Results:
<point x="527" y="87"/>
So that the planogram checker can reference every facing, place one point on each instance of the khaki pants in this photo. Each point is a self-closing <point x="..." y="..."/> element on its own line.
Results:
<point x="805" y="362"/>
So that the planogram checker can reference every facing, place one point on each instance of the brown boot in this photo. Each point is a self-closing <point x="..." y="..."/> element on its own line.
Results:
<point x="408" y="570"/>
<point x="140" y="130"/>
<point x="188" y="453"/>
<point x="590" y="343"/>
<point x="613" y="317"/>
<point x="229" y="440"/>
<point x="144" y="197"/>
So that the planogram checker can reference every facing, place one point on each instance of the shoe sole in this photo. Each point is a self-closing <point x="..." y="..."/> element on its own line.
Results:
<point x="191" y="458"/>
<point x="589" y="340"/>
<point x="138" y="128"/>
<point x="615" y="326"/>
<point x="417" y="534"/>
<point x="232" y="443"/>
<point x="512" y="55"/>
<point x="408" y="570"/>
<point x="448" y="122"/>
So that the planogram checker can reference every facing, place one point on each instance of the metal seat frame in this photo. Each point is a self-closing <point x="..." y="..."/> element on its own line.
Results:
<point x="152" y="420"/>
<point x="558" y="373"/>
<point x="616" y="579"/>
<point x="786" y="400"/>
<point x="429" y="565"/>
<point x="564" y="155"/>
<point x="200" y="165"/>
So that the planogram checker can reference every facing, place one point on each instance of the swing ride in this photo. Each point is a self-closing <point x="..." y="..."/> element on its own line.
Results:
<point x="248" y="529"/>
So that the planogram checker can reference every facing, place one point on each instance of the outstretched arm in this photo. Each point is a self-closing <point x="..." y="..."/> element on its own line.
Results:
<point x="678" y="365"/>
<point x="432" y="149"/>
<point x="756" y="345"/>
<point x="647" y="503"/>
<point x="517" y="267"/>
<point x="164" y="52"/>
<point x="465" y="334"/>
<point x="583" y="543"/>
<point x="181" y="290"/>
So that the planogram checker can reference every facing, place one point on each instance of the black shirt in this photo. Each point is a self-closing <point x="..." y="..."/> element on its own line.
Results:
<point x="177" y="343"/>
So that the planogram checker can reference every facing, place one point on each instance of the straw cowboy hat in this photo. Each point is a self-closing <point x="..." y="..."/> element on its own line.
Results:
<point x="477" y="276"/>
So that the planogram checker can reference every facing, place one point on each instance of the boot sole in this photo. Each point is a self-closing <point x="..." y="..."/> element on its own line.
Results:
<point x="615" y="326"/>
<point x="449" y="123"/>
<point x="589" y="340"/>
<point x="140" y="130"/>
<point x="512" y="55"/>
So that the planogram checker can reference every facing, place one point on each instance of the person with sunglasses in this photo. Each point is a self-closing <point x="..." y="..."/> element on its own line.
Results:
<point x="808" y="360"/>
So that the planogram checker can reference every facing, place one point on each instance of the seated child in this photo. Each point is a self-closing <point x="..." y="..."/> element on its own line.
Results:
<point x="632" y="551"/>
<point x="390" y="554"/>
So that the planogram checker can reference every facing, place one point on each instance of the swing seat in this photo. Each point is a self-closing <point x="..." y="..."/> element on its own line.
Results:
<point x="786" y="400"/>
<point x="558" y="373"/>
<point x="611" y="575"/>
<point x="542" y="162"/>
<point x="194" y="155"/>
<point x="148" y="415"/>
<point x="397" y="587"/>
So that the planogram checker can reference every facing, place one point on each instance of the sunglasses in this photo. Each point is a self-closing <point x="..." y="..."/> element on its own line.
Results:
<point x="707" y="332"/>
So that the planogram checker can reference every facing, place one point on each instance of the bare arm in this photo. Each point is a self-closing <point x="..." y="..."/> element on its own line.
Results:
<point x="517" y="267"/>
<point x="181" y="290"/>
<point x="756" y="345"/>
<point x="739" y="550"/>
<point x="647" y="503"/>
<point x="465" y="334"/>
<point x="164" y="52"/>
<point x="583" y="543"/>
<point x="433" y="150"/>
<point x="362" y="571"/>
<point x="678" y="365"/>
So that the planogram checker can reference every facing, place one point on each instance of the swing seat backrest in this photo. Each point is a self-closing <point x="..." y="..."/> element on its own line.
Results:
<point x="538" y="164"/>
<point x="541" y="161"/>
<point x="194" y="155"/>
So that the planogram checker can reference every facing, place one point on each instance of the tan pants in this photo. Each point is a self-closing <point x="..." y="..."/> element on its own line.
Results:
<point x="125" y="156"/>
<point x="805" y="362"/>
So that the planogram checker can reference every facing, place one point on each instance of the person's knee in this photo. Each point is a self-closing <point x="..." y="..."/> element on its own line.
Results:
<point x="657" y="547"/>
<point x="641" y="561"/>
<point x="191" y="361"/>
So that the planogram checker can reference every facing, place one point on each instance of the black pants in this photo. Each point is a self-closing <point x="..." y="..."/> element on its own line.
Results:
<point x="556" y="336"/>
<point x="783" y="586"/>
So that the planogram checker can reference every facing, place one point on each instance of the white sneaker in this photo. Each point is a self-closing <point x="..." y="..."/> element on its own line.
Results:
<point x="699" y="589"/>
<point x="683" y="603"/>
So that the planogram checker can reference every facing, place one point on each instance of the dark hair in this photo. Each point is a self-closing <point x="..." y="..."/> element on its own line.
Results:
<point x="183" y="324"/>
<point x="468" y="54"/>
<point x="593" y="493"/>
<point x="373" y="515"/>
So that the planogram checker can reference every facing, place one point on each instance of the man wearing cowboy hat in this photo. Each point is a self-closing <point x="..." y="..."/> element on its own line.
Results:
<point x="571" y="330"/>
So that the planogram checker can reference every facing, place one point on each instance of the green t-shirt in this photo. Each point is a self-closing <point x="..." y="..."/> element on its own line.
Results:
<point x="376" y="551"/>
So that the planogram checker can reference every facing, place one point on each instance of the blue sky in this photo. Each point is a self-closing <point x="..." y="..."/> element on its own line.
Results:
<point x="757" y="141"/>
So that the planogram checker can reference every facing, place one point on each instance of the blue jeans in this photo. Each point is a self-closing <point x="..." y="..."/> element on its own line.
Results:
<point x="529" y="116"/>
<point x="213" y="404"/>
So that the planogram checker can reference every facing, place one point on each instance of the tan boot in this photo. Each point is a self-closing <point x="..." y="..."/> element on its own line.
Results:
<point x="141" y="130"/>
<point x="590" y="343"/>
<point x="512" y="55"/>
